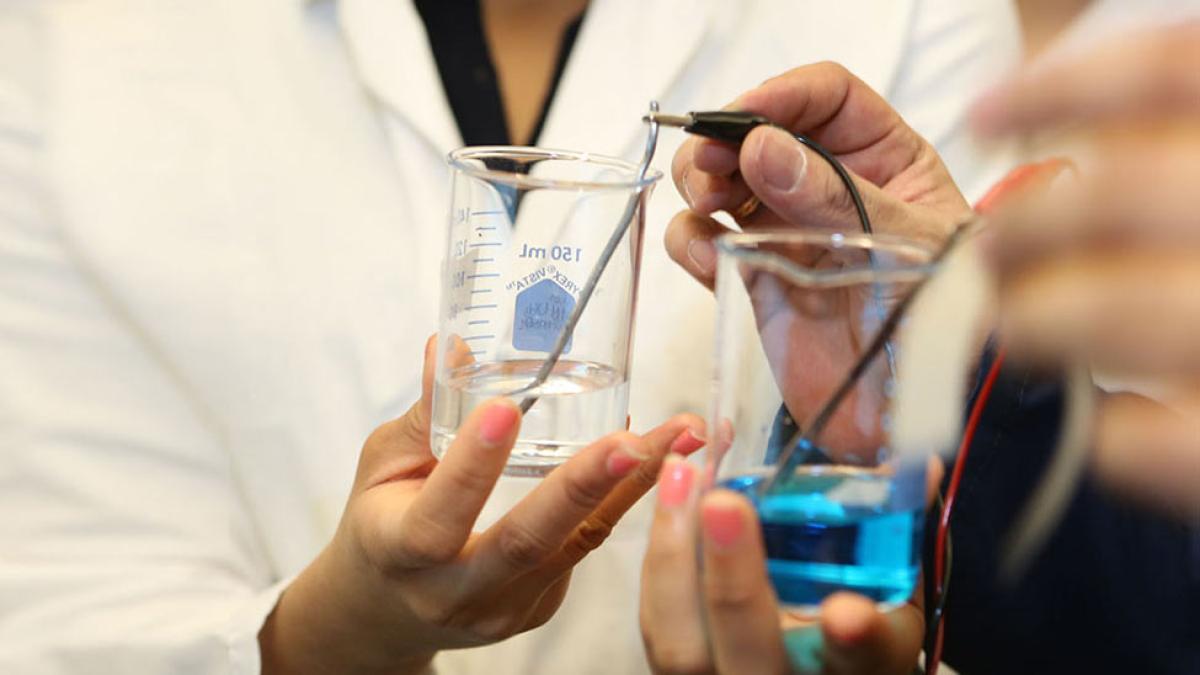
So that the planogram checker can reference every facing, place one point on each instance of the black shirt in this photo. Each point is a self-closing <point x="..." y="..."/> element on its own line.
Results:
<point x="1116" y="589"/>
<point x="456" y="37"/>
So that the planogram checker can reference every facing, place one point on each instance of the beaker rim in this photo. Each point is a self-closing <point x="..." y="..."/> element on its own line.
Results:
<point x="458" y="160"/>
<point x="742" y="246"/>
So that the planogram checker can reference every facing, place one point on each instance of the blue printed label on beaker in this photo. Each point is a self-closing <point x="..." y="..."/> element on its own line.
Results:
<point x="542" y="312"/>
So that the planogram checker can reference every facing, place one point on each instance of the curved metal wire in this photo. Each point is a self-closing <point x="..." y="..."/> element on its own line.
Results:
<point x="585" y="295"/>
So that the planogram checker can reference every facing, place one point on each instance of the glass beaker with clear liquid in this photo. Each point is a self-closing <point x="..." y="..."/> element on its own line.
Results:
<point x="795" y="311"/>
<point x="527" y="227"/>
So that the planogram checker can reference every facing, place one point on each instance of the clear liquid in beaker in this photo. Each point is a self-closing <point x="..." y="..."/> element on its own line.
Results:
<point x="578" y="403"/>
<point x="831" y="529"/>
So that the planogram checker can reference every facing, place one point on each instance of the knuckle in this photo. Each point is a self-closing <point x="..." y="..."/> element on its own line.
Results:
<point x="466" y="478"/>
<point x="443" y="612"/>
<point x="521" y="548"/>
<point x="588" y="537"/>
<point x="646" y="475"/>
<point x="788" y="77"/>
<point x="584" y="492"/>
<point x="831" y="69"/>
<point x="669" y="551"/>
<point x="728" y="595"/>
<point x="782" y="77"/>
<point x="425" y="543"/>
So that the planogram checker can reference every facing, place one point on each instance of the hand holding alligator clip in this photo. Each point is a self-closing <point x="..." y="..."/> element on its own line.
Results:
<point x="905" y="187"/>
<point x="905" y="190"/>
<point x="831" y="132"/>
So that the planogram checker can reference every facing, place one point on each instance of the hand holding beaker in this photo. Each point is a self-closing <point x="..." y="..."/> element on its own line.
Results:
<point x="405" y="574"/>
<point x="904" y="183"/>
<point x="733" y="624"/>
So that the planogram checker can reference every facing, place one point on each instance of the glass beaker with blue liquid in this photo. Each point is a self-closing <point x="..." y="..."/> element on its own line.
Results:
<point x="796" y="311"/>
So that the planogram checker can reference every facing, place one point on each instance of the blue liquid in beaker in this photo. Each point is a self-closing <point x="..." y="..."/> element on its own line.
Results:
<point x="833" y="529"/>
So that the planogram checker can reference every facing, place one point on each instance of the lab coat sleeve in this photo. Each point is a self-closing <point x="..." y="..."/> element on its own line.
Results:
<point x="955" y="51"/>
<point x="124" y="547"/>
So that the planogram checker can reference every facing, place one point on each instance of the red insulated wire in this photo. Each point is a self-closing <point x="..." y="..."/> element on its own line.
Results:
<point x="1021" y="178"/>
<point x="964" y="448"/>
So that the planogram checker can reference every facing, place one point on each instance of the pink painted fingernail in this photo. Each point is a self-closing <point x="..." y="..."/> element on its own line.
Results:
<point x="722" y="523"/>
<point x="622" y="460"/>
<point x="674" y="481"/>
<point x="497" y="423"/>
<point x="687" y="442"/>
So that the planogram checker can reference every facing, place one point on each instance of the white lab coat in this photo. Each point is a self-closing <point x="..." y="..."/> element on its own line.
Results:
<point x="221" y="224"/>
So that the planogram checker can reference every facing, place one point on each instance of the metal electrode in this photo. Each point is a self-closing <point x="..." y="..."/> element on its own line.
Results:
<point x="593" y="280"/>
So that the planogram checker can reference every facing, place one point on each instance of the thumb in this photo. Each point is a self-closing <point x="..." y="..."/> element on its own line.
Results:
<point x="859" y="639"/>
<point x="802" y="188"/>
<point x="401" y="446"/>
<point x="425" y="405"/>
<point x="415" y="422"/>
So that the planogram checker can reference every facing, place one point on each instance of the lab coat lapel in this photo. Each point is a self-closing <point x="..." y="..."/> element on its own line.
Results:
<point x="618" y="64"/>
<point x="388" y="44"/>
<point x="621" y="60"/>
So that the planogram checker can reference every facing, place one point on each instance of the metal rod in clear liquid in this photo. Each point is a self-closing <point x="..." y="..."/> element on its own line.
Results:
<point x="593" y="280"/>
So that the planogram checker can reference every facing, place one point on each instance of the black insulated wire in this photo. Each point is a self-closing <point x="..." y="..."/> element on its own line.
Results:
<point x="731" y="126"/>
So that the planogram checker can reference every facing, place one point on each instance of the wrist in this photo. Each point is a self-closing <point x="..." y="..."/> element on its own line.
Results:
<point x="326" y="621"/>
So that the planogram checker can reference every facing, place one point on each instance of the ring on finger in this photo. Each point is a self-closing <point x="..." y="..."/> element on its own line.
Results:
<point x="747" y="208"/>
